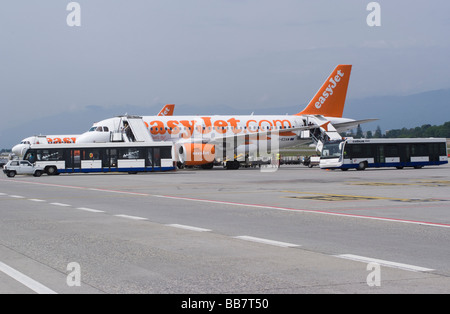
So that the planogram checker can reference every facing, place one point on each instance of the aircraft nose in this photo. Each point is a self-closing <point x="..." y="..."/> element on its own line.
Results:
<point x="18" y="149"/>
<point x="86" y="138"/>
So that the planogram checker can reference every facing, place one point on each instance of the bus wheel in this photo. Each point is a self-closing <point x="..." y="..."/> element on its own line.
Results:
<point x="362" y="165"/>
<point x="51" y="171"/>
<point x="344" y="169"/>
<point x="399" y="167"/>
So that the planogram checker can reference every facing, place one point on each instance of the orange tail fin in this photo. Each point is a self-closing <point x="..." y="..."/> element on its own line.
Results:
<point x="167" y="110"/>
<point x="329" y="101"/>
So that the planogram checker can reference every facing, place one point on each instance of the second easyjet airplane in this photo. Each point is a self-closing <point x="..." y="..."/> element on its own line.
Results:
<point x="199" y="139"/>
<point x="101" y="130"/>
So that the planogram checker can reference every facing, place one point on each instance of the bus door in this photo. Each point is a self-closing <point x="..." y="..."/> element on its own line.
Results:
<point x="109" y="160"/>
<point x="73" y="160"/>
<point x="380" y="155"/>
<point x="156" y="159"/>
<point x="149" y="159"/>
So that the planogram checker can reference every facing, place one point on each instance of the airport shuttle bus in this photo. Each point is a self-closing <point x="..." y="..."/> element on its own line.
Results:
<point x="365" y="153"/>
<point x="102" y="157"/>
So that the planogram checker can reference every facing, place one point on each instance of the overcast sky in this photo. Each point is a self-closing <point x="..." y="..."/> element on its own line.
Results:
<point x="208" y="53"/>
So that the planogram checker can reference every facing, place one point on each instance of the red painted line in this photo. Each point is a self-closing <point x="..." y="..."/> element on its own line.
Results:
<point x="246" y="205"/>
<point x="417" y="222"/>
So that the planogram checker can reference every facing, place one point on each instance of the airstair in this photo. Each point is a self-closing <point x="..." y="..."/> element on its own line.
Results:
<point x="138" y="131"/>
<point x="324" y="132"/>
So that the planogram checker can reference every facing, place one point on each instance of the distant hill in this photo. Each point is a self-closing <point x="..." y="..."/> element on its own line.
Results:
<point x="393" y="112"/>
<point x="396" y="112"/>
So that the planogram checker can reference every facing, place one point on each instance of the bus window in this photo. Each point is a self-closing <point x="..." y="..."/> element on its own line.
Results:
<point x="91" y="154"/>
<point x="131" y="153"/>
<point x="166" y="152"/>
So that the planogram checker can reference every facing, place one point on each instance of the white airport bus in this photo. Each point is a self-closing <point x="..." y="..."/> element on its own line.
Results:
<point x="365" y="153"/>
<point x="129" y="157"/>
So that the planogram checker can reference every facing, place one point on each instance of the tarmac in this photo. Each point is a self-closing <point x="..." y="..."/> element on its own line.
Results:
<point x="291" y="230"/>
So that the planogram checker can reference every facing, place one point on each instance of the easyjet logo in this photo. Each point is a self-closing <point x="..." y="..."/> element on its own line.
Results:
<point x="166" y="111"/>
<point x="57" y="140"/>
<point x="186" y="128"/>
<point x="334" y="81"/>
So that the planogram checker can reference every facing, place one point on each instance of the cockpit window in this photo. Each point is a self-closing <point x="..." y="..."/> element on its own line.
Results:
<point x="105" y="129"/>
<point x="92" y="129"/>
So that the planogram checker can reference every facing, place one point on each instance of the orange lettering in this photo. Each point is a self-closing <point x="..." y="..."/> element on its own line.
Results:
<point x="233" y="122"/>
<point x="265" y="121"/>
<point x="157" y="127"/>
<point x="221" y="126"/>
<point x="189" y="128"/>
<point x="249" y="127"/>
<point x="282" y="123"/>
<point x="173" y="127"/>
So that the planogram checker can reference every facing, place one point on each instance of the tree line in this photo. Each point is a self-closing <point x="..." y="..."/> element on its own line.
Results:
<point x="426" y="130"/>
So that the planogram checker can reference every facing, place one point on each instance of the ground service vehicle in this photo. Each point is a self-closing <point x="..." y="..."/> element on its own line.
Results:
<point x="129" y="157"/>
<point x="365" y="153"/>
<point x="14" y="167"/>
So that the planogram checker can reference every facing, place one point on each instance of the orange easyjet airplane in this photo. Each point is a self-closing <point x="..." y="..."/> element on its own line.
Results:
<point x="201" y="139"/>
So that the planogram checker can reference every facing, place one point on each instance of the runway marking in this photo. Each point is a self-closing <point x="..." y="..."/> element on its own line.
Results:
<point x="189" y="228"/>
<point x="118" y="192"/>
<point x="36" y="200"/>
<point x="341" y="197"/>
<point x="424" y="223"/>
<point x="90" y="210"/>
<point x="16" y="196"/>
<point x="432" y="183"/>
<point x="384" y="263"/>
<point x="320" y="212"/>
<point x="266" y="241"/>
<point x="25" y="280"/>
<point x="131" y="217"/>
<point x="77" y="187"/>
<point x="60" y="204"/>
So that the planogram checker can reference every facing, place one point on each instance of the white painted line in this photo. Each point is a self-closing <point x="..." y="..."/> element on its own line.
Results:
<point x="189" y="228"/>
<point x="60" y="204"/>
<point x="25" y="280"/>
<point x="266" y="241"/>
<point x="35" y="200"/>
<point x="131" y="217"/>
<point x="16" y="196"/>
<point x="1" y="194"/>
<point x="90" y="210"/>
<point x="384" y="263"/>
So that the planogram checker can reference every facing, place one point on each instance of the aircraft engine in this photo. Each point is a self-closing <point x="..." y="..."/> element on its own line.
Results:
<point x="195" y="154"/>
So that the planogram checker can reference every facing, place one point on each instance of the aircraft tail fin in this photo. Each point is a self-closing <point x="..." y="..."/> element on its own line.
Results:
<point x="329" y="101"/>
<point x="167" y="110"/>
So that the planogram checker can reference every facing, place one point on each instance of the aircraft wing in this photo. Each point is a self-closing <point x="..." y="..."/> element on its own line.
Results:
<point x="243" y="136"/>
<point x="344" y="126"/>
